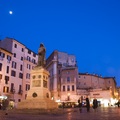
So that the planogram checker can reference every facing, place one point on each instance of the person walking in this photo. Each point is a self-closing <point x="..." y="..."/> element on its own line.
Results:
<point x="118" y="103"/>
<point x="63" y="105"/>
<point x="88" y="104"/>
<point x="0" y="105"/>
<point x="80" y="104"/>
<point x="95" y="104"/>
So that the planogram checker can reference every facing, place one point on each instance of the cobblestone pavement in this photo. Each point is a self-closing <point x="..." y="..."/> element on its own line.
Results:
<point x="111" y="113"/>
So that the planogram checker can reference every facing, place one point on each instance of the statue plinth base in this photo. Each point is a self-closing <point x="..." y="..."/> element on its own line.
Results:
<point x="37" y="104"/>
<point x="38" y="97"/>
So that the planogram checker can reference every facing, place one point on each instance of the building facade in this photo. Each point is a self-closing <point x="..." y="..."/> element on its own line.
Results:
<point x="5" y="68"/>
<point x="20" y="64"/>
<point x="66" y="84"/>
<point x="95" y="86"/>
<point x="63" y="74"/>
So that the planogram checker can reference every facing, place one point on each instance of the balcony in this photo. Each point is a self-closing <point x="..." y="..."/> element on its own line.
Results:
<point x="12" y="91"/>
<point x="20" y="92"/>
<point x="30" y="60"/>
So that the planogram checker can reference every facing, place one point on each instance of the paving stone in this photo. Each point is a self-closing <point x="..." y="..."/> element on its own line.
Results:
<point x="110" y="113"/>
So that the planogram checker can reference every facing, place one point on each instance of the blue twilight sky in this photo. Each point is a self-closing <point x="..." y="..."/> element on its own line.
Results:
<point x="89" y="29"/>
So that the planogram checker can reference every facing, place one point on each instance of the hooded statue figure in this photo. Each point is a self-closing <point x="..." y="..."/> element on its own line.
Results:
<point x="41" y="55"/>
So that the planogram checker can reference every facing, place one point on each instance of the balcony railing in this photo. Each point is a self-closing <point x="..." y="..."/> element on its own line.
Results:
<point x="20" y="92"/>
<point x="34" y="62"/>
<point x="12" y="91"/>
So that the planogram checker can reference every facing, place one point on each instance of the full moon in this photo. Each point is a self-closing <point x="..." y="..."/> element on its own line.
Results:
<point x="10" y="12"/>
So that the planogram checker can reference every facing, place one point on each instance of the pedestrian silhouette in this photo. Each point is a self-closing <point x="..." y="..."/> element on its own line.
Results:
<point x="95" y="104"/>
<point x="87" y="104"/>
<point x="80" y="104"/>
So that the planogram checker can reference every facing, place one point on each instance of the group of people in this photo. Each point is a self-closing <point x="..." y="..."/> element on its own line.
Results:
<point x="95" y="104"/>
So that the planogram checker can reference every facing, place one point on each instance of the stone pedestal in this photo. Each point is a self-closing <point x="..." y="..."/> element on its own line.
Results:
<point x="38" y="97"/>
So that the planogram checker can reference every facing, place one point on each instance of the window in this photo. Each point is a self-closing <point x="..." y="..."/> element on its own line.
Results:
<point x="7" y="70"/>
<point x="29" y="51"/>
<point x="34" y="55"/>
<point x="0" y="66"/>
<point x="12" y="88"/>
<point x="15" y="45"/>
<point x="27" y="76"/>
<point x="2" y="54"/>
<point x="14" y="54"/>
<point x="21" y="58"/>
<point x="27" y="87"/>
<point x="8" y="58"/>
<point x="20" y="75"/>
<point x="6" y="79"/>
<point x="73" y="88"/>
<point x="33" y="61"/>
<point x="28" y="58"/>
<point x="68" y="79"/>
<point x="63" y="88"/>
<point x="28" y="66"/>
<point x="0" y="76"/>
<point x="22" y="50"/>
<point x="68" y="88"/>
<point x="20" y="89"/>
<point x="13" y="73"/>
<point x="5" y="89"/>
<point x="21" y="67"/>
<point x="14" y="64"/>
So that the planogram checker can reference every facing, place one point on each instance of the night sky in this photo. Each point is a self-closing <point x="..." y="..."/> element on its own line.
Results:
<point x="89" y="29"/>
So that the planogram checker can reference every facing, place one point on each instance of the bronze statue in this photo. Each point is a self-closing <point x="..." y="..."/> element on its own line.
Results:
<point x="41" y="55"/>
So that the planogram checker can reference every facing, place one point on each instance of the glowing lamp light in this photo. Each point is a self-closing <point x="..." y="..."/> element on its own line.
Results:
<point x="105" y="103"/>
<point x="52" y="98"/>
<point x="57" y="100"/>
<point x="68" y="94"/>
<point x="3" y="97"/>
